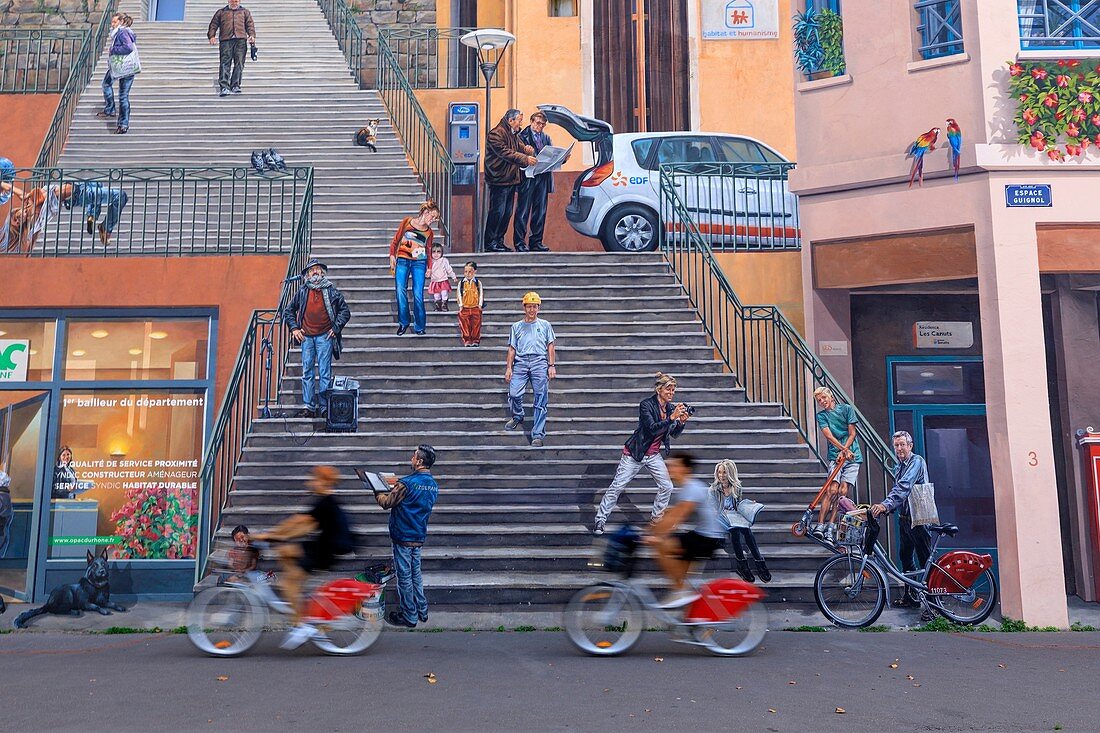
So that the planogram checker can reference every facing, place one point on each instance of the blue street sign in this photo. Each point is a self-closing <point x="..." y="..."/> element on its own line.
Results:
<point x="1028" y="194"/>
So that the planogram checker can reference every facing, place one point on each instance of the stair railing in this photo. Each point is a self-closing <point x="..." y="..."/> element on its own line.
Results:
<point x="348" y="35"/>
<point x="80" y="74"/>
<point x="252" y="391"/>
<point x="759" y="346"/>
<point x="425" y="151"/>
<point x="38" y="60"/>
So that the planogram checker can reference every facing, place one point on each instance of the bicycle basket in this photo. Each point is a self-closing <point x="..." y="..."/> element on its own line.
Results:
<point x="852" y="531"/>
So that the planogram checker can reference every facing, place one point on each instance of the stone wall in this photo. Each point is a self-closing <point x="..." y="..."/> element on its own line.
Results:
<point x="50" y="13"/>
<point x="373" y="15"/>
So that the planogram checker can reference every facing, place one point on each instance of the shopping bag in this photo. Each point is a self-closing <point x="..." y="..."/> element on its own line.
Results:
<point x="922" y="504"/>
<point x="126" y="66"/>
<point x="748" y="509"/>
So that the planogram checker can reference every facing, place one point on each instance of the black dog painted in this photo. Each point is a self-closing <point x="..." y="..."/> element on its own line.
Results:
<point x="92" y="593"/>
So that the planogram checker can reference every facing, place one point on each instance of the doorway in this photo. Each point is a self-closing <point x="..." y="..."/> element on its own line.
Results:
<point x="940" y="401"/>
<point x="168" y="10"/>
<point x="641" y="65"/>
<point x="23" y="421"/>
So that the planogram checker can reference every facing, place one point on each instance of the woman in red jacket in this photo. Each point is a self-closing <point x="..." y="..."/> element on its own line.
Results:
<point x="409" y="257"/>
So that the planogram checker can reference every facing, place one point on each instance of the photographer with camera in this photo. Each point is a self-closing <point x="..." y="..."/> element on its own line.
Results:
<point x="658" y="421"/>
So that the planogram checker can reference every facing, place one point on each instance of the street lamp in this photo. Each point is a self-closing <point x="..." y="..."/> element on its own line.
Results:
<point x="491" y="43"/>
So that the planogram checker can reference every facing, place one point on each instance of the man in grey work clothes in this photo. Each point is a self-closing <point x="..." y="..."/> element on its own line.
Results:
<point x="911" y="470"/>
<point x="531" y="360"/>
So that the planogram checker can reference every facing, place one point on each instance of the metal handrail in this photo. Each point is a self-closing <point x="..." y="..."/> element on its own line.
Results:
<point x="434" y="58"/>
<point x="38" y="60"/>
<point x="252" y="389"/>
<point x="760" y="347"/>
<point x="155" y="211"/>
<point x="348" y="35"/>
<point x="423" y="147"/>
<point x="79" y="76"/>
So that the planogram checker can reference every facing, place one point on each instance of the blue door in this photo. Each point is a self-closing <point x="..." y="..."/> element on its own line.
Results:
<point x="169" y="9"/>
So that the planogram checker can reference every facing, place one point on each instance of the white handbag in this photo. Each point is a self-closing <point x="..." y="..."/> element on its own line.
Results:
<point x="922" y="503"/>
<point x="748" y="509"/>
<point x="123" y="67"/>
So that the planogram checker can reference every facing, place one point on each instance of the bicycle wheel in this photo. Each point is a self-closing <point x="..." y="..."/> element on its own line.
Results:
<point x="971" y="607"/>
<point x="735" y="637"/>
<point x="849" y="592"/>
<point x="604" y="620"/>
<point x="351" y="634"/>
<point x="225" y="621"/>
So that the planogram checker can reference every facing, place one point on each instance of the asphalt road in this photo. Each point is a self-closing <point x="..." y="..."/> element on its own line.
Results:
<point x="515" y="681"/>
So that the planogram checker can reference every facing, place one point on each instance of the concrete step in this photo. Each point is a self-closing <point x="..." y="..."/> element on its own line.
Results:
<point x="493" y="396"/>
<point x="593" y="413"/>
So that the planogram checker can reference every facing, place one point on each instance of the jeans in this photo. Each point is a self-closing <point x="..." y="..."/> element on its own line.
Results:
<point x="316" y="350"/>
<point x="418" y="269"/>
<point x="410" y="586"/>
<point x="628" y="469"/>
<point x="123" y="98"/>
<point x="737" y="534"/>
<point x="501" y="201"/>
<point x="533" y="370"/>
<point x="231" y="62"/>
<point x="93" y="195"/>
<point x="533" y="193"/>
<point x="6" y="517"/>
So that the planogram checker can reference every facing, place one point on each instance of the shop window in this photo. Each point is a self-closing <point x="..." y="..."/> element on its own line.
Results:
<point x="126" y="474"/>
<point x="1059" y="24"/>
<point x="919" y="383"/>
<point x="26" y="344"/>
<point x="939" y="26"/>
<point x="154" y="349"/>
<point x="562" y="8"/>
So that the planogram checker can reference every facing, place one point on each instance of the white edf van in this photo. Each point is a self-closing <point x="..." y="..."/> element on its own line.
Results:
<point x="618" y="199"/>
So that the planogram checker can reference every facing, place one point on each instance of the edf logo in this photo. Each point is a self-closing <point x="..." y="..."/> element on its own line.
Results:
<point x="618" y="179"/>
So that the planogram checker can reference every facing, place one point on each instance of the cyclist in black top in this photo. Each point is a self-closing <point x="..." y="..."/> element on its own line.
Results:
<point x="297" y="561"/>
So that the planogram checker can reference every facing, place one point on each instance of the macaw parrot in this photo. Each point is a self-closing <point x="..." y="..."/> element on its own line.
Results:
<point x="926" y="143"/>
<point x="955" y="138"/>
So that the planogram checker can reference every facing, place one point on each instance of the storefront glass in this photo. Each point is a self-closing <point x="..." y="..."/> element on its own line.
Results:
<point x="126" y="474"/>
<point x="160" y="349"/>
<point x="36" y="337"/>
<point x="23" y="420"/>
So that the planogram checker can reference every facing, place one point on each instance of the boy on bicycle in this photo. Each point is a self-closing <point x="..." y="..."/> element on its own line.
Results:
<point x="690" y="530"/>
<point x="298" y="560"/>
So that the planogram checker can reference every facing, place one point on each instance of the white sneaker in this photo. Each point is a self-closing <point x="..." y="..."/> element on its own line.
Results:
<point x="299" y="635"/>
<point x="679" y="598"/>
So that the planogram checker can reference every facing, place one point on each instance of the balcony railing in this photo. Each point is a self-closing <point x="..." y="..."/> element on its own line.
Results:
<point x="348" y="35"/>
<point x="762" y="348"/>
<point x="1059" y="24"/>
<point x="38" y="61"/>
<point x="58" y="212"/>
<point x="734" y="206"/>
<point x="428" y="155"/>
<point x="433" y="58"/>
<point x="939" y="25"/>
<point x="80" y="73"/>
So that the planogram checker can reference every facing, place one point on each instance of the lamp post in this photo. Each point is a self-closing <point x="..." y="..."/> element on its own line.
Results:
<point x="491" y="43"/>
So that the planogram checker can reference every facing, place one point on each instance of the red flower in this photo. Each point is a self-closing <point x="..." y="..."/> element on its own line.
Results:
<point x="1072" y="149"/>
<point x="1072" y="130"/>
<point x="1051" y="99"/>
<point x="1015" y="69"/>
<point x="1062" y="80"/>
<point x="1030" y="117"/>
<point x="1024" y="97"/>
<point x="1096" y="119"/>
<point x="1085" y="142"/>
<point x="1079" y="113"/>
<point x="1056" y="154"/>
<point x="1073" y="64"/>
<point x="1039" y="73"/>
<point x="1061" y="63"/>
<point x="1038" y="140"/>
<point x="1059" y="116"/>
<point x="1084" y="97"/>
<point x="1096" y="139"/>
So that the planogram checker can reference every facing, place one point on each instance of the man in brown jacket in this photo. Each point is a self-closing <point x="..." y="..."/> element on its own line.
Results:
<point x="234" y="29"/>
<point x="505" y="160"/>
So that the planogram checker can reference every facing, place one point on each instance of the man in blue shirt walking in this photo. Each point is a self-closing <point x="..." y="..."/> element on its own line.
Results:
<point x="410" y="504"/>
<point x="531" y="360"/>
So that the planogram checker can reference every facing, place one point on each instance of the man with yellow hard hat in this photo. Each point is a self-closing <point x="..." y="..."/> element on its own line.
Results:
<point x="531" y="360"/>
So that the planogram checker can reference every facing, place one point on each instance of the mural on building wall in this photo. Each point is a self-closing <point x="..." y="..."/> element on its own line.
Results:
<point x="1057" y="105"/>
<point x="926" y="143"/>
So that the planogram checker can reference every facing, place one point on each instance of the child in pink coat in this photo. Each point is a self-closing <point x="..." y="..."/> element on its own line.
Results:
<point x="441" y="276"/>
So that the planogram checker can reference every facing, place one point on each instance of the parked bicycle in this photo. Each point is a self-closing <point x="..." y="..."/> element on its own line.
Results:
<point x="607" y="619"/>
<point x="852" y="587"/>
<point x="226" y="620"/>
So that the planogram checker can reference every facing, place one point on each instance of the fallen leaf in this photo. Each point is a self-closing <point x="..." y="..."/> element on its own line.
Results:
<point x="840" y="711"/>
<point x="647" y="710"/>
<point x="738" y="687"/>
<point x="607" y="689"/>
<point x="771" y="710"/>
<point x="222" y="677"/>
<point x="1001" y="666"/>
<point x="431" y="678"/>
<point x="658" y="659"/>
<point x="916" y="684"/>
<point x="894" y="665"/>
<point x="908" y="676"/>
<point x="791" y="682"/>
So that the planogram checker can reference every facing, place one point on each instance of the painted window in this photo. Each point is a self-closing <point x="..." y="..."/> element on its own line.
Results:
<point x="939" y="25"/>
<point x="160" y="349"/>
<point x="1059" y="24"/>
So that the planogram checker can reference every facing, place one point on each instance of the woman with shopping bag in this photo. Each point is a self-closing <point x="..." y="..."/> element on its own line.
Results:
<point x="123" y="64"/>
<point x="737" y="514"/>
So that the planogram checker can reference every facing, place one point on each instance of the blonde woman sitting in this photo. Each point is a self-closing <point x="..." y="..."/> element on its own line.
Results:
<point x="737" y="514"/>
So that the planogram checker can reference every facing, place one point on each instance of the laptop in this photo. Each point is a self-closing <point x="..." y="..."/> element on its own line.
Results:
<point x="376" y="482"/>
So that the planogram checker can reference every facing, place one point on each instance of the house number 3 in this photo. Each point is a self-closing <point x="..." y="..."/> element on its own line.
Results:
<point x="1032" y="458"/>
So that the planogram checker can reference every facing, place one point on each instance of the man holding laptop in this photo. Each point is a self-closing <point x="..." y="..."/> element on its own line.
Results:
<point x="410" y="501"/>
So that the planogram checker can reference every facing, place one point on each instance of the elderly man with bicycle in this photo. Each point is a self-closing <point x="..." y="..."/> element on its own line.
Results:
<point x="912" y="470"/>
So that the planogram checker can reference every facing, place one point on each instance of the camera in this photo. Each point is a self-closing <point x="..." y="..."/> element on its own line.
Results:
<point x="689" y="410"/>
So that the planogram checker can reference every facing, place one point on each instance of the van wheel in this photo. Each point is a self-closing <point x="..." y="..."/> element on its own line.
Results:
<point x="630" y="228"/>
